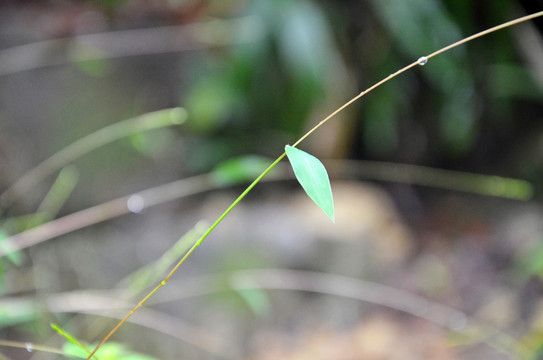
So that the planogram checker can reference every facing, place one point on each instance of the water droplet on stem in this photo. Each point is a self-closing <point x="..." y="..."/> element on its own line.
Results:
<point x="135" y="204"/>
<point x="423" y="60"/>
<point x="28" y="347"/>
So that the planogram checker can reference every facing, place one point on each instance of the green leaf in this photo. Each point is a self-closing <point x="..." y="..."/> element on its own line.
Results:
<point x="312" y="175"/>
<point x="70" y="338"/>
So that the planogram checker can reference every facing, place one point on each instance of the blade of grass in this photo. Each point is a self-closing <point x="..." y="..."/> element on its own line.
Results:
<point x="106" y="135"/>
<point x="62" y="188"/>
<point x="487" y="185"/>
<point x="52" y="203"/>
<point x="267" y="170"/>
<point x="71" y="338"/>
<point x="153" y="272"/>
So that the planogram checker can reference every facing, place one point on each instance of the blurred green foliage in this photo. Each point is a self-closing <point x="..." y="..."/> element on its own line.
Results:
<point x="455" y="109"/>
<point x="263" y="93"/>
<point x="239" y="170"/>
<point x="475" y="107"/>
<point x="417" y="28"/>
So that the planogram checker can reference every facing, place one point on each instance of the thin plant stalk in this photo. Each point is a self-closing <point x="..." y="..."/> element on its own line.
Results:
<point x="421" y="61"/>
<point x="134" y="42"/>
<point x="28" y="346"/>
<point x="105" y="211"/>
<point x="61" y="190"/>
<point x="106" y="135"/>
<point x="486" y="185"/>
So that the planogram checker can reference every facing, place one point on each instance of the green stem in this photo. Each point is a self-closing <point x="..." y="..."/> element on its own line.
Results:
<point x="269" y="168"/>
<point x="187" y="254"/>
